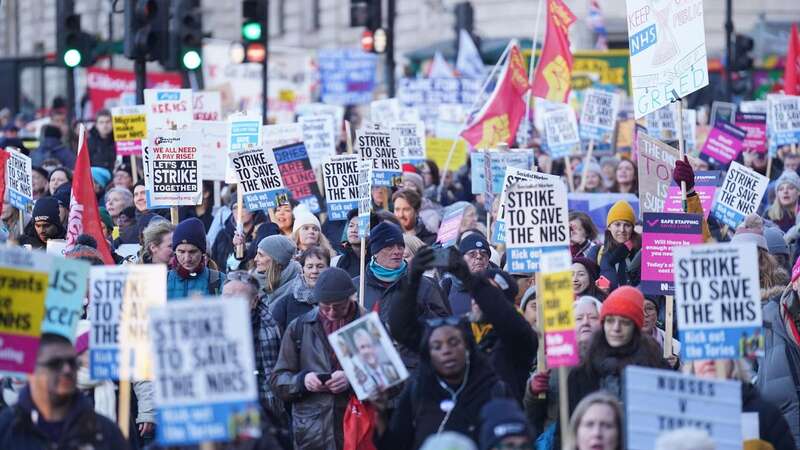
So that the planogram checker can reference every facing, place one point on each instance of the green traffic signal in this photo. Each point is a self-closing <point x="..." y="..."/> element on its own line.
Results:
<point x="251" y="31"/>
<point x="72" y="58"/>
<point x="192" y="60"/>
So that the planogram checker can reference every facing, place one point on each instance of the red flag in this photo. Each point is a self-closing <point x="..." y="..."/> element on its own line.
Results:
<point x="792" y="69"/>
<point x="84" y="218"/>
<point x="499" y="118"/>
<point x="553" y="79"/>
<point x="4" y="155"/>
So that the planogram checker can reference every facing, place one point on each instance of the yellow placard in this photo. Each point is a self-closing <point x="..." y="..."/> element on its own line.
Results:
<point x="22" y="296"/>
<point x="438" y="148"/>
<point x="556" y="296"/>
<point x="129" y="127"/>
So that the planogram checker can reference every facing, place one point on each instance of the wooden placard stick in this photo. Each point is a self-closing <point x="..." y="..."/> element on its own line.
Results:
<point x="681" y="150"/>
<point x="134" y="169"/>
<point x="124" y="407"/>
<point x="668" y="331"/>
<point x="586" y="165"/>
<point x="568" y="171"/>
<point x="541" y="363"/>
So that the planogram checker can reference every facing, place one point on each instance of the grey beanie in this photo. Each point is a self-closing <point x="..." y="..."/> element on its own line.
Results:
<point x="755" y="238"/>
<point x="333" y="285"/>
<point x="775" y="242"/>
<point x="280" y="248"/>
<point x="788" y="176"/>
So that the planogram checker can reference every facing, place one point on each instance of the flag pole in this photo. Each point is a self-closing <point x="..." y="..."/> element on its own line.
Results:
<point x="532" y="68"/>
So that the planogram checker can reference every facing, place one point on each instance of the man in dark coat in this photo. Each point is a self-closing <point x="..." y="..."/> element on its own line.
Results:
<point x="44" y="225"/>
<point x="102" y="151"/>
<point x="51" y="147"/>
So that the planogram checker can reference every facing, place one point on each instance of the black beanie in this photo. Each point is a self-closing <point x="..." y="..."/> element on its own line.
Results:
<point x="50" y="131"/>
<point x="46" y="209"/>
<point x="384" y="235"/>
<point x="333" y="285"/>
<point x="501" y="418"/>
<point x="190" y="231"/>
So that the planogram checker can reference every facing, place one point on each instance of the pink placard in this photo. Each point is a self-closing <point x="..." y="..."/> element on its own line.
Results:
<point x="723" y="144"/>
<point x="128" y="148"/>
<point x="18" y="353"/>
<point x="561" y="348"/>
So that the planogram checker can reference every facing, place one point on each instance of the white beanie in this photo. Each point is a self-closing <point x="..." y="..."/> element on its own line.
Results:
<point x="304" y="216"/>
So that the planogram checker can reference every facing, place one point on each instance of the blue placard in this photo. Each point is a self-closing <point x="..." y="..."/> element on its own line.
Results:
<point x="347" y="76"/>
<point x="186" y="425"/>
<point x="64" y="302"/>
<point x="477" y="172"/>
<point x="526" y="260"/>
<point x="244" y="134"/>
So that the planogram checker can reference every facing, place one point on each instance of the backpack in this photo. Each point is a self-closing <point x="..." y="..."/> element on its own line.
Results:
<point x="214" y="282"/>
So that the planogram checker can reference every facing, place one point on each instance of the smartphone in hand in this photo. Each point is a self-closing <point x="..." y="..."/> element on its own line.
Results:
<point x="324" y="377"/>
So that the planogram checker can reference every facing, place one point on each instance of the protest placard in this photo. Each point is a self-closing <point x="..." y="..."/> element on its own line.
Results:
<point x="364" y="197"/>
<point x="718" y="300"/>
<point x="340" y="177"/>
<point x="258" y="176"/>
<point x="668" y="57"/>
<point x="450" y="228"/>
<point x="754" y="106"/>
<point x="320" y="136"/>
<point x="168" y="109"/>
<point x="367" y="356"/>
<point x="555" y="297"/>
<point x="145" y="286"/>
<point x="56" y="247"/>
<point x="656" y="162"/>
<point x="561" y="132"/>
<point x="410" y="142"/>
<point x="599" y="114"/>
<point x="496" y="164"/>
<point x="336" y="112"/>
<point x="298" y="175"/>
<point x="213" y="148"/>
<point x="379" y="145"/>
<point x="106" y="288"/>
<point x="244" y="133"/>
<point x="783" y="119"/>
<point x="705" y="185"/>
<point x="282" y="134"/>
<point x="22" y="299"/>
<point x="385" y="111"/>
<point x="597" y="205"/>
<point x="536" y="217"/>
<point x="437" y="150"/>
<point x="409" y="114"/>
<point x="207" y="105"/>
<point x="19" y="185"/>
<point x="204" y="385"/>
<point x="63" y="306"/>
<point x="511" y="176"/>
<point x="662" y="123"/>
<point x="130" y="127"/>
<point x="723" y="144"/>
<point x="477" y="172"/>
<point x="661" y="232"/>
<point x="347" y="76"/>
<point x="739" y="195"/>
<point x="171" y="161"/>
<point x="722" y="112"/>
<point x="755" y="125"/>
<point x="427" y="94"/>
<point x="657" y="401"/>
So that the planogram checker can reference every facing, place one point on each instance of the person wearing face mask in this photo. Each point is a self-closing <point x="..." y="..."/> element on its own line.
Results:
<point x="783" y="210"/>
<point x="350" y="258"/>
<point x="189" y="275"/>
<point x="318" y="405"/>
<point x="620" y="247"/>
<point x="596" y="423"/>
<point x="584" y="278"/>
<point x="300" y="300"/>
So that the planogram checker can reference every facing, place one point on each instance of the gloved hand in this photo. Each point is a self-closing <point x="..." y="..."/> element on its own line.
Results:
<point x="539" y="382"/>
<point x="458" y="267"/>
<point x="421" y="262"/>
<point x="683" y="172"/>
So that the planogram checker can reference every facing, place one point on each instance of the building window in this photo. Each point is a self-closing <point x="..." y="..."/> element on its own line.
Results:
<point x="277" y="17"/>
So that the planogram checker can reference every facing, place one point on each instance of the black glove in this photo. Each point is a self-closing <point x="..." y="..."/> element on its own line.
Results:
<point x="459" y="268"/>
<point x="420" y="263"/>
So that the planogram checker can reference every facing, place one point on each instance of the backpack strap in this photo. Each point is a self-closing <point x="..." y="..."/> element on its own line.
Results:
<point x="214" y="281"/>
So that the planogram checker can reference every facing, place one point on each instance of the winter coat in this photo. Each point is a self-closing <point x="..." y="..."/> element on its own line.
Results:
<point x="615" y="264"/>
<point x="772" y="426"/>
<point x="207" y="282"/>
<point x="423" y="233"/>
<point x="222" y="247"/>
<point x="83" y="428"/>
<point x="457" y="295"/>
<point x="778" y="378"/>
<point x="348" y="261"/>
<point x="266" y="346"/>
<point x="51" y="147"/>
<point x="298" y="302"/>
<point x="317" y="418"/>
<point x="102" y="151"/>
<point x="29" y="237"/>
<point x="186" y="212"/>
<point x="288" y="274"/>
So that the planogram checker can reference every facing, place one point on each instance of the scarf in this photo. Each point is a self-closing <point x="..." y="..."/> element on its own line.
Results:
<point x="790" y="313"/>
<point x="184" y="272"/>
<point x="104" y="393"/>
<point x="387" y="275"/>
<point x="331" y="326"/>
<point x="302" y="293"/>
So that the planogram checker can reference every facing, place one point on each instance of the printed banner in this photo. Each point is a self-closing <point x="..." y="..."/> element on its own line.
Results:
<point x="145" y="287"/>
<point x="755" y="125"/>
<point x="320" y="136"/>
<point x="298" y="175"/>
<point x="739" y="195"/>
<point x="258" y="176"/>
<point x="213" y="148"/>
<point x="427" y="94"/>
<point x="168" y="109"/>
<point x="106" y="288"/>
<point x="705" y="184"/>
<point x="171" y="161"/>
<point x="22" y="301"/>
<point x="656" y="161"/>
<point x="340" y="177"/>
<point x="599" y="114"/>
<point x="19" y="184"/>
<point x="511" y="175"/>
<point x="379" y="145"/>
<point x="661" y="232"/>
<point x="204" y="387"/>
<point x="207" y="105"/>
<point x="411" y="142"/>
<point x="108" y="88"/>
<point x="561" y="132"/>
<point x="718" y="301"/>
<point x="668" y="52"/>
<point x="496" y="163"/>
<point x="347" y="76"/>
<point x="556" y="297"/>
<point x="63" y="306"/>
<point x="724" y="143"/>
<point x="130" y="127"/>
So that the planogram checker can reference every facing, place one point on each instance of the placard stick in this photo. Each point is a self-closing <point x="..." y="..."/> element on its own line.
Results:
<point x="124" y="410"/>
<point x="239" y="213"/>
<point x="568" y="171"/>
<point x="363" y="252"/>
<point x="541" y="363"/>
<point x="769" y="164"/>
<point x="134" y="169"/>
<point x="563" y="408"/>
<point x="682" y="154"/>
<point x="668" y="331"/>
<point x="348" y="137"/>
<point x="586" y="165"/>
<point x="173" y="215"/>
<point x="21" y="223"/>
<point x="217" y="196"/>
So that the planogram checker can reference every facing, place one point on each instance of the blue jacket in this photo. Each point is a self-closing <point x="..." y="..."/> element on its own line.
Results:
<point x="53" y="148"/>
<point x="207" y="282"/>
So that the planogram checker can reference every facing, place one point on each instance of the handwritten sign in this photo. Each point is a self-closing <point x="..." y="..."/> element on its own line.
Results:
<point x="66" y="290"/>
<point x="207" y="105"/>
<point x="168" y="109"/>
<point x="656" y="162"/>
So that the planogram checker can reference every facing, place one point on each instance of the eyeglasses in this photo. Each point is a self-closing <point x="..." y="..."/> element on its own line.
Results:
<point x="477" y="254"/>
<point x="57" y="364"/>
<point x="437" y="322"/>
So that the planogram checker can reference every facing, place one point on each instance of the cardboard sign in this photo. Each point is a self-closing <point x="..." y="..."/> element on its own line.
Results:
<point x="450" y="227"/>
<point x="718" y="300"/>
<point x="739" y="195"/>
<point x="207" y="105"/>
<point x="536" y="217"/>
<point x="426" y="95"/>
<point x="599" y="114"/>
<point x="656" y="162"/>
<point x="755" y="125"/>
<point x="171" y="161"/>
<point x="411" y="142"/>
<point x="204" y="387"/>
<point x="145" y="287"/>
<point x="722" y="112"/>
<point x="22" y="299"/>
<point x="244" y="133"/>
<point x="561" y="132"/>
<point x="477" y="172"/>
<point x="496" y="164"/>
<point x="386" y="111"/>
<point x="340" y="178"/>
<point x="668" y="52"/>
<point x="437" y="150"/>
<point x="379" y="146"/>
<point x="320" y="137"/>
<point x="298" y="175"/>
<point x="347" y="76"/>
<point x="19" y="184"/>
<point x="556" y="297"/>
<point x="64" y="302"/>
<point x="367" y="356"/>
<point x="168" y="109"/>
<point x="258" y="175"/>
<point x="724" y="143"/>
<point x="106" y="288"/>
<point x="597" y="205"/>
<point x="705" y="184"/>
<point x="213" y="149"/>
<point x="661" y="232"/>
<point x="657" y="401"/>
<point x="336" y="112"/>
<point x="783" y="120"/>
<point x="364" y="197"/>
<point x="281" y="134"/>
<point x="130" y="127"/>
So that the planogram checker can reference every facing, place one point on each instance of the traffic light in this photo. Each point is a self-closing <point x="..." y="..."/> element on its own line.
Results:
<point x="368" y="14"/>
<point x="254" y="20"/>
<point x="742" y="60"/>
<point x="186" y="35"/>
<point x="74" y="47"/>
<point x="146" y="30"/>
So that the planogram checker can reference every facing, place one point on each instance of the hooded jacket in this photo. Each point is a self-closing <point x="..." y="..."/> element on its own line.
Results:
<point x="52" y="147"/>
<point x="82" y="428"/>
<point x="102" y="151"/>
<point x="30" y="237"/>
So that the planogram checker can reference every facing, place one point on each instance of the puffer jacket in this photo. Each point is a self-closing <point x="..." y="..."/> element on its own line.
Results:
<point x="317" y="418"/>
<point x="778" y="378"/>
<point x="207" y="282"/>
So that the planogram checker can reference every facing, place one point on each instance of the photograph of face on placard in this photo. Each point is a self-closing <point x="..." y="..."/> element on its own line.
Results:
<point x="368" y="358"/>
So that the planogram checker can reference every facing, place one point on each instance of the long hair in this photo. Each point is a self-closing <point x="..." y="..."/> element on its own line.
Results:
<point x="776" y="211"/>
<point x="586" y="222"/>
<point x="640" y="351"/>
<point x="597" y="398"/>
<point x="609" y="244"/>
<point x="153" y="234"/>
<point x="322" y="242"/>
<point x="635" y="185"/>
<point x="768" y="268"/>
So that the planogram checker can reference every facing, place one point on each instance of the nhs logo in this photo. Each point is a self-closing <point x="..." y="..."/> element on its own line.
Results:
<point x="643" y="40"/>
<point x="168" y="96"/>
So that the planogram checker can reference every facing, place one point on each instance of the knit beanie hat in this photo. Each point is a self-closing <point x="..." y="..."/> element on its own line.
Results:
<point x="190" y="231"/>
<point x="101" y="176"/>
<point x="743" y="235"/>
<point x="106" y="218"/>
<point x="621" y="210"/>
<point x="448" y="440"/>
<point x="280" y="248"/>
<point x="625" y="301"/>
<point x="775" y="243"/>
<point x="506" y="282"/>
<point x="303" y="216"/>
<point x="384" y="235"/>
<point x="46" y="209"/>
<point x="85" y="253"/>
<point x="501" y="418"/>
<point x="416" y="179"/>
<point x="333" y="285"/>
<point x="63" y="194"/>
<point x="473" y="241"/>
<point x="788" y="176"/>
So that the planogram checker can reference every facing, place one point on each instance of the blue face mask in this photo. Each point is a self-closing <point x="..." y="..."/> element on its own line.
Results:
<point x="387" y="275"/>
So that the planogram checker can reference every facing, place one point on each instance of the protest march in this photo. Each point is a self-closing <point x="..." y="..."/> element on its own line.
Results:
<point x="581" y="233"/>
